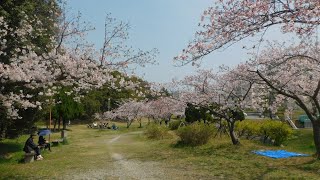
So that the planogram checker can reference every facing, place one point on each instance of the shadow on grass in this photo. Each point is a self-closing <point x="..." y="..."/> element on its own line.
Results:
<point x="10" y="147"/>
<point x="10" y="151"/>
<point x="179" y="144"/>
<point x="200" y="150"/>
<point x="311" y="165"/>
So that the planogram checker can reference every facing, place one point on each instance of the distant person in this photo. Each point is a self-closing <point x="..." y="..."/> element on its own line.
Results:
<point x="31" y="146"/>
<point x="44" y="143"/>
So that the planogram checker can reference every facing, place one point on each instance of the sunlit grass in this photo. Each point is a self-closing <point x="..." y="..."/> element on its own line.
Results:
<point x="90" y="148"/>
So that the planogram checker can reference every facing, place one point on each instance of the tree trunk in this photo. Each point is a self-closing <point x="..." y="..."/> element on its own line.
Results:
<point x="140" y="122"/>
<point x="316" y="137"/>
<point x="3" y="130"/>
<point x="234" y="138"/>
<point x="129" y="123"/>
<point x="59" y="121"/>
<point x="64" y="124"/>
<point x="55" y="124"/>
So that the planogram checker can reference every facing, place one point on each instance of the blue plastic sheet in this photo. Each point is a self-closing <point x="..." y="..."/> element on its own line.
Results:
<point x="44" y="132"/>
<point x="278" y="153"/>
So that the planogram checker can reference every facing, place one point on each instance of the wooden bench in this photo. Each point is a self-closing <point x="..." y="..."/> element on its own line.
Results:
<point x="29" y="157"/>
<point x="56" y="142"/>
<point x="42" y="147"/>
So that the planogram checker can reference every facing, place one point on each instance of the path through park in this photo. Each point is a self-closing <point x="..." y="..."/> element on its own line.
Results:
<point x="119" y="165"/>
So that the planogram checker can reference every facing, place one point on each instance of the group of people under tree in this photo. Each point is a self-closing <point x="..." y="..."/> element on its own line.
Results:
<point x="103" y="126"/>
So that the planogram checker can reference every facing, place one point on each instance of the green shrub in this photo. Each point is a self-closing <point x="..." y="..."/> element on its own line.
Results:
<point x="268" y="130"/>
<point x="248" y="129"/>
<point x="155" y="131"/>
<point x="276" y="131"/>
<point x="195" y="134"/>
<point x="174" y="125"/>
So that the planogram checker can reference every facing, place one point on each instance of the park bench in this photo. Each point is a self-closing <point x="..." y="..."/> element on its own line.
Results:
<point x="29" y="157"/>
<point x="42" y="147"/>
<point x="56" y="142"/>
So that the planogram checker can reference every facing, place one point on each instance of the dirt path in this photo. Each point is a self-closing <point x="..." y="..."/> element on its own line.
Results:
<point x="133" y="169"/>
<point x="120" y="167"/>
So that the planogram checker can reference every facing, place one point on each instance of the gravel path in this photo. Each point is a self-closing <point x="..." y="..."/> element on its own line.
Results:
<point x="123" y="168"/>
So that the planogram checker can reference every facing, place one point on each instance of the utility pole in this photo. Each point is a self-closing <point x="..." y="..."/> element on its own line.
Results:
<point x="109" y="104"/>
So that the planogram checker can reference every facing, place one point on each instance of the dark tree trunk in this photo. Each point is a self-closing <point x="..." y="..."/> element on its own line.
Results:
<point x="55" y="124"/>
<point x="129" y="123"/>
<point x="64" y="123"/>
<point x="234" y="138"/>
<point x="3" y="130"/>
<point x="316" y="137"/>
<point x="59" y="121"/>
<point x="140" y="122"/>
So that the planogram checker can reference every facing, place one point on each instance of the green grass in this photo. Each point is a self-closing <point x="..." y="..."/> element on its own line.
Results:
<point x="88" y="149"/>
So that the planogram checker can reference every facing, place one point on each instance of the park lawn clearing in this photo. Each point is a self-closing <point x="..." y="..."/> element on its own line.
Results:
<point x="128" y="154"/>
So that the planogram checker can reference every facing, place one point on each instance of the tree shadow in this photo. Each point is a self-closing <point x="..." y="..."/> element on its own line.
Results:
<point x="178" y="144"/>
<point x="8" y="151"/>
<point x="10" y="147"/>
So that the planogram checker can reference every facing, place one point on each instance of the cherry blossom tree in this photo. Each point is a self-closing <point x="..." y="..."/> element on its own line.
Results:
<point x="224" y="94"/>
<point x="293" y="74"/>
<point x="163" y="108"/>
<point x="229" y="21"/>
<point x="115" y="53"/>
<point x="130" y="111"/>
<point x="26" y="72"/>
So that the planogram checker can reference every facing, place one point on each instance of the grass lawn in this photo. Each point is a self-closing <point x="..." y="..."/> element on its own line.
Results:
<point x="90" y="150"/>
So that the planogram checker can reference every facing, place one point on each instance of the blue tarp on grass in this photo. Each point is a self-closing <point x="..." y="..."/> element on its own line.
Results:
<point x="44" y="132"/>
<point x="278" y="153"/>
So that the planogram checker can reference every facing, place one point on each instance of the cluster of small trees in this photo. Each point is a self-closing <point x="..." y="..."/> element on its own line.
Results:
<point x="160" y="109"/>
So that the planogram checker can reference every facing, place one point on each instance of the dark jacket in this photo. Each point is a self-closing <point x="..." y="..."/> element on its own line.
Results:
<point x="29" y="145"/>
<point x="42" y="140"/>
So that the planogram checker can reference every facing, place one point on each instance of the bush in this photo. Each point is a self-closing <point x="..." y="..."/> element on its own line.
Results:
<point x="195" y="134"/>
<point x="174" y="125"/>
<point x="276" y="131"/>
<point x="270" y="130"/>
<point x="248" y="129"/>
<point x="155" y="131"/>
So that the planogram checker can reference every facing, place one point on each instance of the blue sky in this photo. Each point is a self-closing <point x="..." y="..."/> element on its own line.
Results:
<point x="167" y="25"/>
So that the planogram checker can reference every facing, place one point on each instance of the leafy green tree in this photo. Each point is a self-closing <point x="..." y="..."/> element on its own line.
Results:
<point x="109" y="97"/>
<point x="192" y="113"/>
<point x="91" y="104"/>
<point x="66" y="108"/>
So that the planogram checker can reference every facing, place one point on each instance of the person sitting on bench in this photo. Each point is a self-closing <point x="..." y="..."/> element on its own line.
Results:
<point x="44" y="143"/>
<point x="31" y="146"/>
